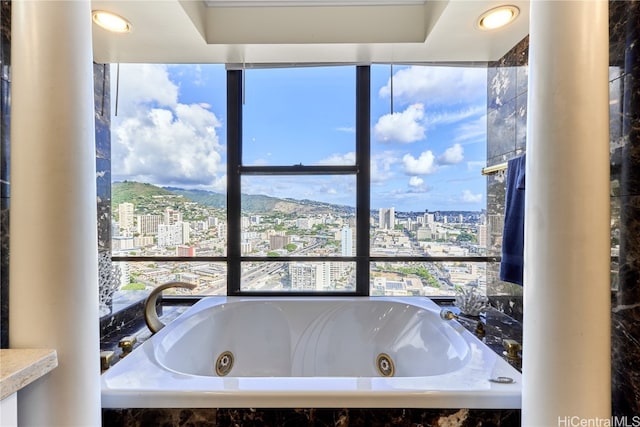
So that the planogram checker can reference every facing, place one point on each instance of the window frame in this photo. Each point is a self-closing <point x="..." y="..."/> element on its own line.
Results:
<point x="235" y="171"/>
<point x="361" y="170"/>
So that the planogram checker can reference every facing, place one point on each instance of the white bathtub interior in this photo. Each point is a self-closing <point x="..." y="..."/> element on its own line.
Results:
<point x="313" y="339"/>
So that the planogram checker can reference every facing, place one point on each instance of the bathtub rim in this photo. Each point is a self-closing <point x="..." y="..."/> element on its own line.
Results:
<point x="189" y="391"/>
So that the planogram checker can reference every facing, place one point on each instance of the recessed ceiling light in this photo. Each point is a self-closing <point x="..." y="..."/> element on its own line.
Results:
<point x="111" y="22"/>
<point x="498" y="17"/>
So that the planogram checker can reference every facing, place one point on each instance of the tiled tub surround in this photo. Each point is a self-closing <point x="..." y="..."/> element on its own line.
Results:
<point x="296" y="356"/>
<point x="498" y="326"/>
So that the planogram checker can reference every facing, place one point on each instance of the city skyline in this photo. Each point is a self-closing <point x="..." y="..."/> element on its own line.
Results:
<point x="178" y="227"/>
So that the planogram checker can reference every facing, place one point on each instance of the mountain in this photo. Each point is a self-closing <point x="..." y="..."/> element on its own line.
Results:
<point x="257" y="203"/>
<point x="207" y="198"/>
<point x="135" y="192"/>
<point x="143" y="195"/>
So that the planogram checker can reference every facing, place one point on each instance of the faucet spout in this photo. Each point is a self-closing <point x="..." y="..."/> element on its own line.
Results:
<point x="150" y="315"/>
<point x="446" y="314"/>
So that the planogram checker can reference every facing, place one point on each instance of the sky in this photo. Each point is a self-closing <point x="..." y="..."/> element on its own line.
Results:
<point x="428" y="145"/>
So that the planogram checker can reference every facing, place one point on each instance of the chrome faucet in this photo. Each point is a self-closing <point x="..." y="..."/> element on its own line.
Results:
<point x="150" y="315"/>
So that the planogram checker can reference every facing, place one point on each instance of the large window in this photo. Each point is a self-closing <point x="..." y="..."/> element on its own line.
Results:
<point x="339" y="180"/>
<point x="168" y="167"/>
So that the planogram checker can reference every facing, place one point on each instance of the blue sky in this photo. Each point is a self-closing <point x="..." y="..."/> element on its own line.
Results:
<point x="427" y="152"/>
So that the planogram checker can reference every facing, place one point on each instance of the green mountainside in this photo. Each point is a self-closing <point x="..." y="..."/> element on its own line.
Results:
<point x="146" y="195"/>
<point x="135" y="192"/>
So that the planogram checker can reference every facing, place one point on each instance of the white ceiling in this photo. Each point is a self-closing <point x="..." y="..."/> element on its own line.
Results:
<point x="254" y="32"/>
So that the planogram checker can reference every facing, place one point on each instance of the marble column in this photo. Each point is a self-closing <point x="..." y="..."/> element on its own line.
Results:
<point x="566" y="348"/>
<point x="54" y="260"/>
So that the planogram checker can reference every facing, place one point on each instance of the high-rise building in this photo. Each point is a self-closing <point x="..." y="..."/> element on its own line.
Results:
<point x="148" y="224"/>
<point x="429" y="218"/>
<point x="172" y="216"/>
<point x="172" y="235"/>
<point x="277" y="241"/>
<point x="346" y="241"/>
<point x="387" y="218"/>
<point x="482" y="235"/>
<point x="245" y="222"/>
<point x="222" y="230"/>
<point x="125" y="216"/>
<point x="303" y="276"/>
<point x="186" y="232"/>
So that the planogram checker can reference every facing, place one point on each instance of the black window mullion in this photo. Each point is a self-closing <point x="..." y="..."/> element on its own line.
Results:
<point x="234" y="160"/>
<point x="363" y="154"/>
<point x="235" y="170"/>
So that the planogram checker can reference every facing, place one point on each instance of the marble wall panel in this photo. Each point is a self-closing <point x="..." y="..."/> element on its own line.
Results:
<point x="521" y="123"/>
<point x="501" y="85"/>
<point x="501" y="129"/>
<point x="625" y="388"/>
<point x="507" y="81"/>
<point x="618" y="28"/>
<point x="5" y="78"/>
<point x="624" y="94"/>
<point x="309" y="417"/>
<point x="102" y="106"/>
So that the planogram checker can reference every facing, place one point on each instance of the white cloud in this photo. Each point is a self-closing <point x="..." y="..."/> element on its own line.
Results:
<point x="469" y="197"/>
<point x="381" y="164"/>
<point x="423" y="165"/>
<point x="452" y="155"/>
<point x="416" y="181"/>
<point x="403" y="127"/>
<point x="472" y="130"/>
<point x="340" y="159"/>
<point x="475" y="165"/>
<point x="442" y="117"/>
<point x="347" y="129"/>
<point x="159" y="140"/>
<point x="141" y="84"/>
<point x="435" y="85"/>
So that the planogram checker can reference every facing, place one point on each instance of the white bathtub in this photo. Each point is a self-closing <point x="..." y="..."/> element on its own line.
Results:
<point x="321" y="352"/>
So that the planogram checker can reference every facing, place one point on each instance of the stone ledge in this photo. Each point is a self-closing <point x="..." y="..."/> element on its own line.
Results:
<point x="21" y="367"/>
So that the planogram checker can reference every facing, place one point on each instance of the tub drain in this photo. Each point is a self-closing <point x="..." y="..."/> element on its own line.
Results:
<point x="224" y="363"/>
<point x="385" y="365"/>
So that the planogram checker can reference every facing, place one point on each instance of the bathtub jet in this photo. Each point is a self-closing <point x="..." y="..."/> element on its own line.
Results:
<point x="317" y="352"/>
